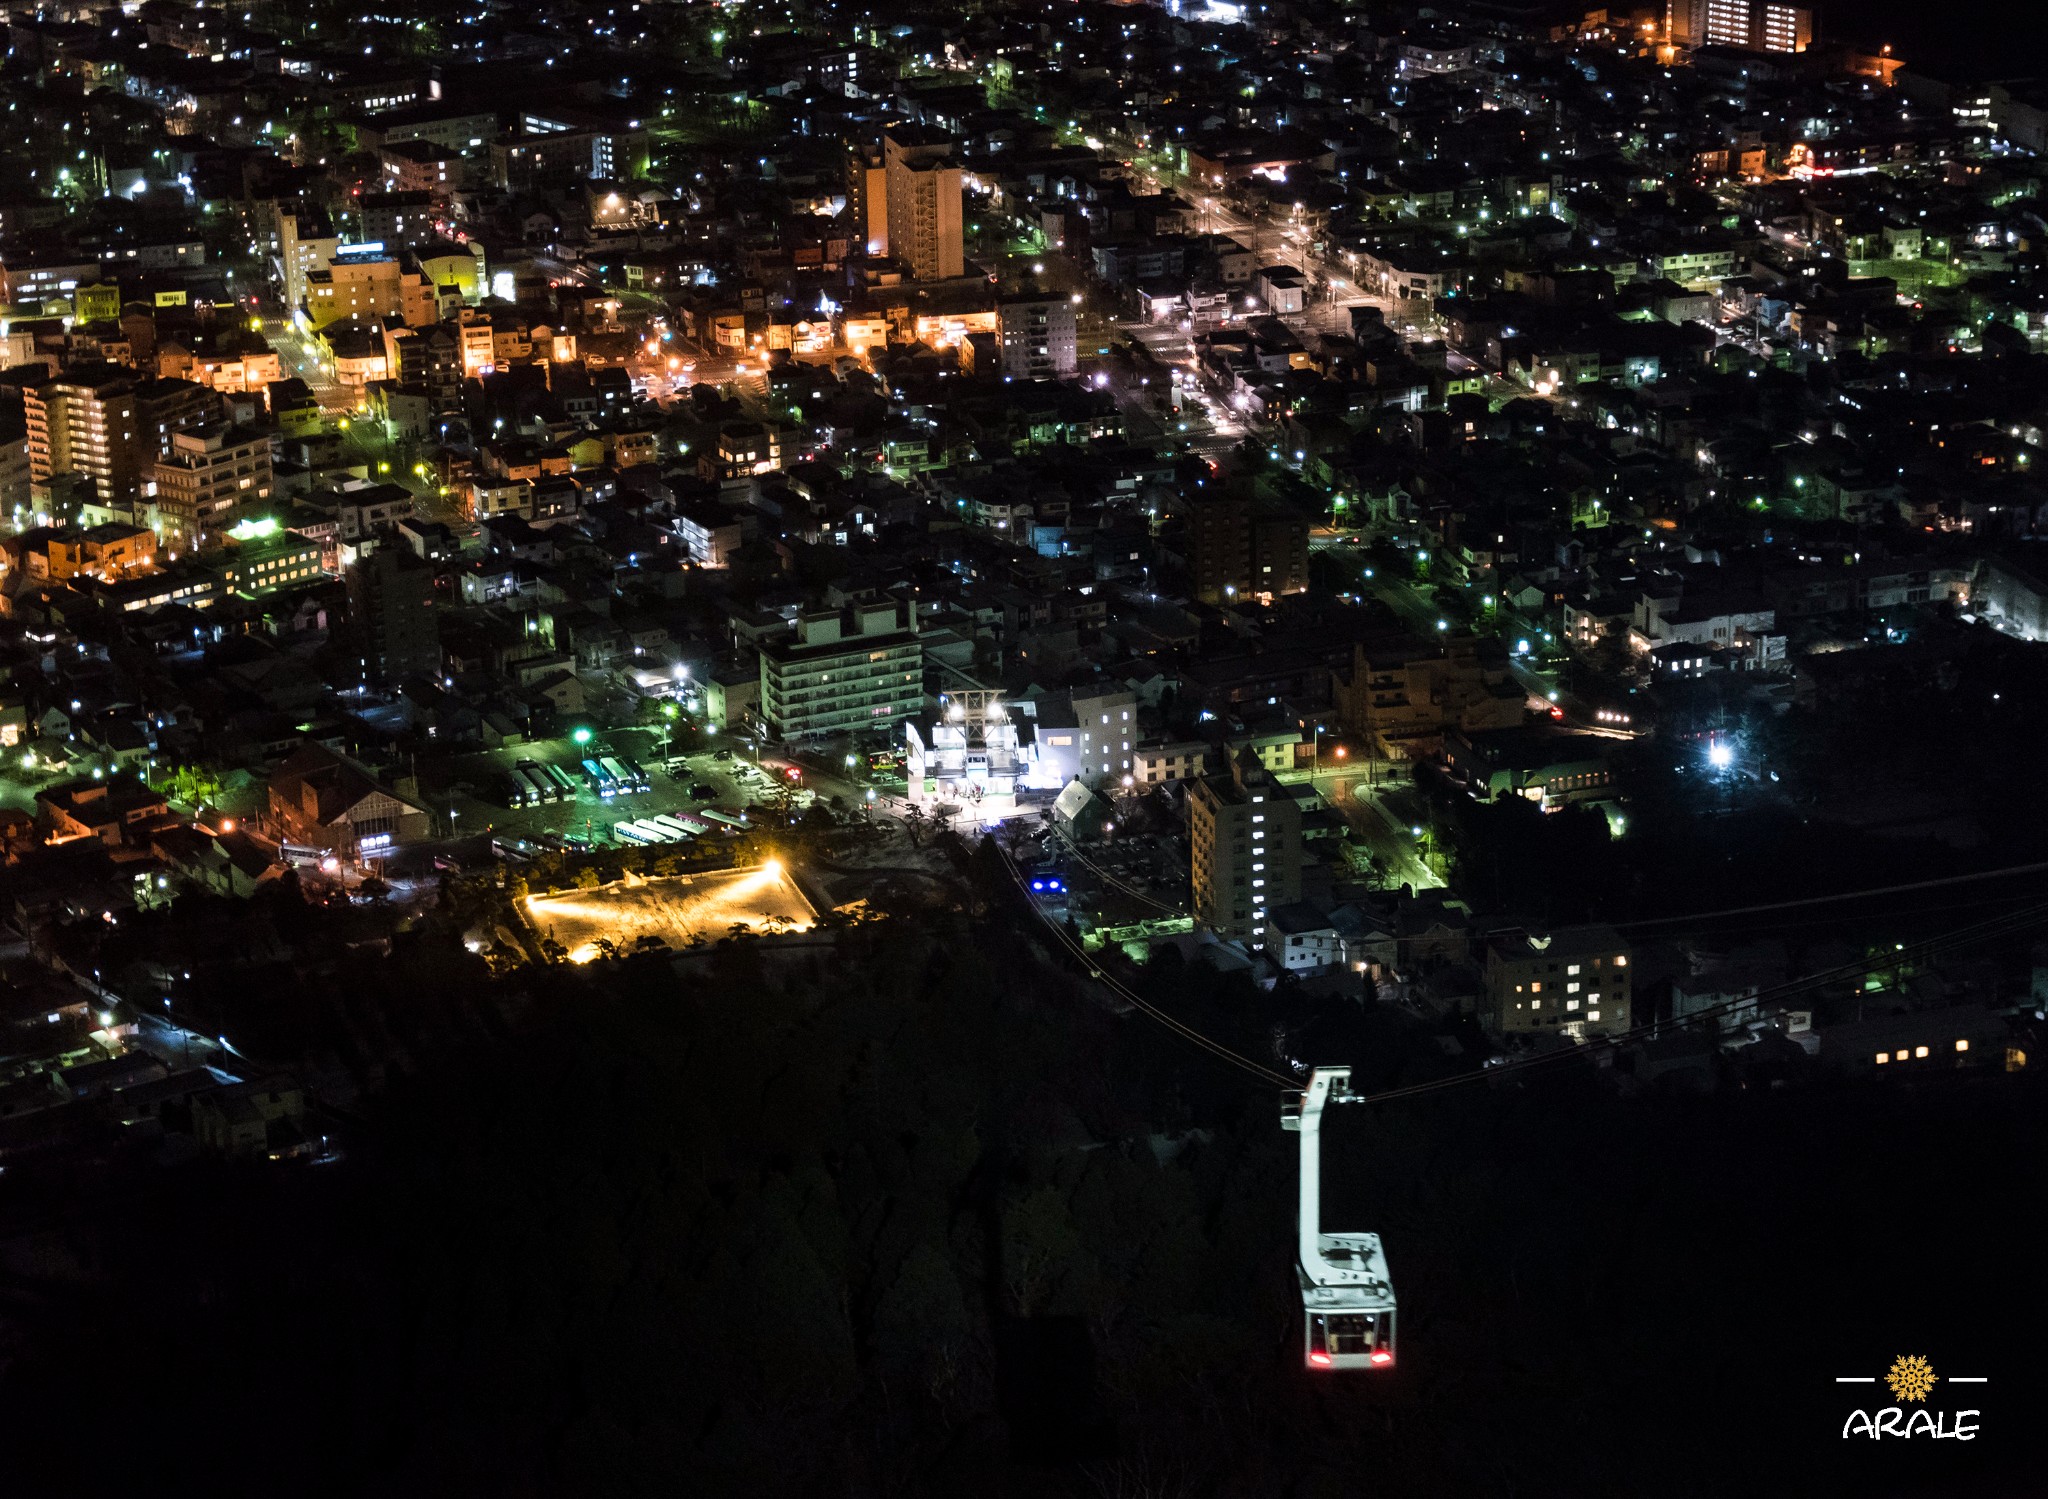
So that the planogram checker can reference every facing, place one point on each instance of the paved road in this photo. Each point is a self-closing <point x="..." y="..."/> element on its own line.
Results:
<point x="298" y="356"/>
<point x="1359" y="795"/>
<point x="1409" y="603"/>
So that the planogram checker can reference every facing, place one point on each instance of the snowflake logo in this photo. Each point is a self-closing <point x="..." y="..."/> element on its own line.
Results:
<point x="1910" y="1378"/>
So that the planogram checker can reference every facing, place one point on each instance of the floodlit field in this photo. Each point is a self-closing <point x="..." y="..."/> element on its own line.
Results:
<point x="673" y="909"/>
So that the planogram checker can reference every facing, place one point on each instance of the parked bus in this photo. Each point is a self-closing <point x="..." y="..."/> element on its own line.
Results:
<point x="653" y="831"/>
<point x="725" y="819"/>
<point x="561" y="779"/>
<point x="544" y="790"/>
<point x="600" y="779"/>
<point x="626" y="832"/>
<point x="619" y="774"/>
<point x="514" y="789"/>
<point x="639" y="774"/>
<point x="673" y="825"/>
<point x="692" y="821"/>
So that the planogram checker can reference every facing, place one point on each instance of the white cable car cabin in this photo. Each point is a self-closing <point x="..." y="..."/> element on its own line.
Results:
<point x="1347" y="1296"/>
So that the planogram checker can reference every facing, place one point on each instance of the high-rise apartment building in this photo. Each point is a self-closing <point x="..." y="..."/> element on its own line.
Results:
<point x="923" y="181"/>
<point x="1246" y="837"/>
<point x="391" y="600"/>
<point x="302" y="248"/>
<point x="867" y="198"/>
<point x="163" y="406"/>
<point x="1038" y="337"/>
<point x="83" y="422"/>
<point x="207" y="478"/>
<point x="1756" y="25"/>
<point x="17" y="487"/>
<point x="1242" y="548"/>
<point x="843" y="671"/>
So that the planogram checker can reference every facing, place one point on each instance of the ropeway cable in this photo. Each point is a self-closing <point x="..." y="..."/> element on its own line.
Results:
<point x="1988" y="930"/>
<point x="1186" y="1032"/>
<point x="1999" y="926"/>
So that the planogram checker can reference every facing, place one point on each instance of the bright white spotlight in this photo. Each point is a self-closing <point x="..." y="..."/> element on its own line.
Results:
<point x="1720" y="756"/>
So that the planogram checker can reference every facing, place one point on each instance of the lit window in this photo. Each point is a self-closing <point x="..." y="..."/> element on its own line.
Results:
<point x="1535" y="1004"/>
<point x="1572" y="968"/>
<point x="1899" y="1055"/>
<point x="1571" y="1004"/>
<point x="1572" y="987"/>
<point x="1919" y="1051"/>
<point x="1536" y="988"/>
<point x="1592" y="1014"/>
<point x="1883" y="1057"/>
<point x="1621" y="962"/>
<point x="1962" y="1046"/>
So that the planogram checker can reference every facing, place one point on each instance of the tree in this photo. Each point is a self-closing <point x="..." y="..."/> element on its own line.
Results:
<point x="916" y="823"/>
<point x="922" y="1319"/>
<point x="1042" y="1253"/>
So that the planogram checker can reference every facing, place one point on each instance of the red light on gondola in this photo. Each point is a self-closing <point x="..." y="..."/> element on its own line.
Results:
<point x="1320" y="1360"/>
<point x="1382" y="1357"/>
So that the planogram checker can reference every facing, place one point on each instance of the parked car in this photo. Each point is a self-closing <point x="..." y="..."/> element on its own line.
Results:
<point x="703" y="792"/>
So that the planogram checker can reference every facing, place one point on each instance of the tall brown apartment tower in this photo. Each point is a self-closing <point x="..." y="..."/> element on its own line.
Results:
<point x="83" y="422"/>
<point x="1240" y="547"/>
<point x="923" y="181"/>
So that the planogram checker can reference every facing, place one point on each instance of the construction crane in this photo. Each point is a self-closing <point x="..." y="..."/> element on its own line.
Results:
<point x="1347" y="1297"/>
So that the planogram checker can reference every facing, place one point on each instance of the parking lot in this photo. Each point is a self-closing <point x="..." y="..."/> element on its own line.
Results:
<point x="474" y="795"/>
<point x="1132" y="877"/>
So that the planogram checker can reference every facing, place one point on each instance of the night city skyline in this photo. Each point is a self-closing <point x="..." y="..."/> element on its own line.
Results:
<point x="1157" y="750"/>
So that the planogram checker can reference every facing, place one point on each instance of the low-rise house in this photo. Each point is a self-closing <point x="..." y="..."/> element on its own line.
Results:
<point x="1915" y="1042"/>
<point x="323" y="800"/>
<point x="264" y="1117"/>
<point x="116" y="810"/>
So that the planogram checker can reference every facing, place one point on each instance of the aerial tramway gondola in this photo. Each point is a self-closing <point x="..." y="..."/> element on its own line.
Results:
<point x="1347" y="1296"/>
